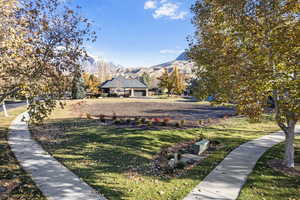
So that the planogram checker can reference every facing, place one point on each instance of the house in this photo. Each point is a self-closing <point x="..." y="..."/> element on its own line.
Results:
<point x="126" y="87"/>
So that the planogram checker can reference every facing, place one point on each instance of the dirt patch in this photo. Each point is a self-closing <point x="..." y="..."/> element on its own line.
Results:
<point x="278" y="166"/>
<point x="174" y="111"/>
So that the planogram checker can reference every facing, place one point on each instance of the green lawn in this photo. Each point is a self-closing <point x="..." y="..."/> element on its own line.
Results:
<point x="116" y="161"/>
<point x="12" y="175"/>
<point x="267" y="184"/>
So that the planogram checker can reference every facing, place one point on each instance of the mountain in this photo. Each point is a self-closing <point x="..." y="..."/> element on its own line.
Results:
<point x="183" y="57"/>
<point x="107" y="70"/>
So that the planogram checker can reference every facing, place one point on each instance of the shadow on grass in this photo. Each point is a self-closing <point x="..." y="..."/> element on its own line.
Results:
<point x="89" y="149"/>
<point x="12" y="173"/>
<point x="264" y="177"/>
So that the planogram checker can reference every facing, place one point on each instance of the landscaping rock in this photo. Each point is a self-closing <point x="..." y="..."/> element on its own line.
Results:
<point x="172" y="163"/>
<point x="190" y="158"/>
<point x="200" y="147"/>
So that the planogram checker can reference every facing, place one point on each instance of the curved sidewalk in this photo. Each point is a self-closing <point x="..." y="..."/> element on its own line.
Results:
<point x="227" y="179"/>
<point x="54" y="180"/>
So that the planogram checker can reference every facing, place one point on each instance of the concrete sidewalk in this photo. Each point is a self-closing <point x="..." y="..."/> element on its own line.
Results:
<point x="54" y="180"/>
<point x="227" y="179"/>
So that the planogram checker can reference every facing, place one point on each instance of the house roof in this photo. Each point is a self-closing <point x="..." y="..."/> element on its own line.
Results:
<point x="121" y="82"/>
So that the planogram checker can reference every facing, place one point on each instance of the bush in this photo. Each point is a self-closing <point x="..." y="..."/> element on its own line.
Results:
<point x="149" y="123"/>
<point x="117" y="122"/>
<point x="177" y="124"/>
<point x="128" y="121"/>
<point x="180" y="165"/>
<point x="138" y="121"/>
<point x="170" y="156"/>
<point x="122" y="121"/>
<point x="209" y="120"/>
<point x="143" y="120"/>
<point x="156" y="120"/>
<point x="182" y="122"/>
<point x="114" y="117"/>
<point x="200" y="122"/>
<point x="165" y="121"/>
<point x="102" y="118"/>
<point x="104" y="95"/>
<point x="88" y="115"/>
<point x="114" y="95"/>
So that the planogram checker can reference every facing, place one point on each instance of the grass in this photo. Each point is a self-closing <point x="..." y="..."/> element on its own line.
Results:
<point x="267" y="184"/>
<point x="116" y="161"/>
<point x="12" y="175"/>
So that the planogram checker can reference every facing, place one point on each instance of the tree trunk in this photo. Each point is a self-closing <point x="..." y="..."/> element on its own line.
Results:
<point x="289" y="144"/>
<point x="289" y="130"/>
<point x="4" y="109"/>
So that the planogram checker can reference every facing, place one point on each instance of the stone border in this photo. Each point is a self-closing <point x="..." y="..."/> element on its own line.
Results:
<point x="227" y="179"/>
<point x="54" y="180"/>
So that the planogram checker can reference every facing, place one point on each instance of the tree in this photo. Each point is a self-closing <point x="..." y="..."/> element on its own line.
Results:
<point x="78" y="87"/>
<point x="166" y="82"/>
<point x="41" y="45"/>
<point x="178" y="81"/>
<point x="247" y="51"/>
<point x="91" y="83"/>
<point x="146" y="79"/>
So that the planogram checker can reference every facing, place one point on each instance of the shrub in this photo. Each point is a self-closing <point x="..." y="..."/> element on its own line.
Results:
<point x="200" y="122"/>
<point x="122" y="121"/>
<point x="177" y="124"/>
<point x="170" y="156"/>
<point x="182" y="122"/>
<point x="138" y="121"/>
<point x="114" y="117"/>
<point x="128" y="121"/>
<point x="104" y="95"/>
<point x="143" y="120"/>
<point x="179" y="156"/>
<point x="149" y="123"/>
<point x="180" y="165"/>
<point x="102" y="118"/>
<point x="88" y="115"/>
<point x="117" y="122"/>
<point x="209" y="120"/>
<point x="156" y="120"/>
<point x="165" y="121"/>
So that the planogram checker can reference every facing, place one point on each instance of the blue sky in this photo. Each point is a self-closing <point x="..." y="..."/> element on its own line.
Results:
<point x="138" y="32"/>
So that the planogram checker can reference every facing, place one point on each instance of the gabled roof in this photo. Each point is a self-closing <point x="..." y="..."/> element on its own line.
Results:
<point x="121" y="82"/>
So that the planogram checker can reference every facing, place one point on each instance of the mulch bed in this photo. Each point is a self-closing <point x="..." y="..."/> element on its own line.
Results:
<point x="7" y="186"/>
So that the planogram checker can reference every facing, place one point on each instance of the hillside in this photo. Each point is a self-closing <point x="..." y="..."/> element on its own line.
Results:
<point x="105" y="70"/>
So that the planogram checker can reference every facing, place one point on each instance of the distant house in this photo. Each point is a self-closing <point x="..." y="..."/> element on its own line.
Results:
<point x="121" y="86"/>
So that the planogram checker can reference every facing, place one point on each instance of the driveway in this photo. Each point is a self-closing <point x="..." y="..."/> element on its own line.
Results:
<point x="11" y="105"/>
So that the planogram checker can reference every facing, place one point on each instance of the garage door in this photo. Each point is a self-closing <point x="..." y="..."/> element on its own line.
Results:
<point x="139" y="93"/>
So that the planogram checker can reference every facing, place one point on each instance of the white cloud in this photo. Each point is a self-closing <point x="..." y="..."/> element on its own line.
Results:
<point x="151" y="4"/>
<point x="165" y="9"/>
<point x="163" y="1"/>
<point x="170" y="10"/>
<point x="170" y="51"/>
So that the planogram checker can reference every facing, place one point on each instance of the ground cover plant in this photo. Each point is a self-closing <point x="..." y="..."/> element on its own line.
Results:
<point x="17" y="184"/>
<point x="269" y="184"/>
<point x="117" y="162"/>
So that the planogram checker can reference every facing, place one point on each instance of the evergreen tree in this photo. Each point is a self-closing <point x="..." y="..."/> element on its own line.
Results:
<point x="78" y="88"/>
